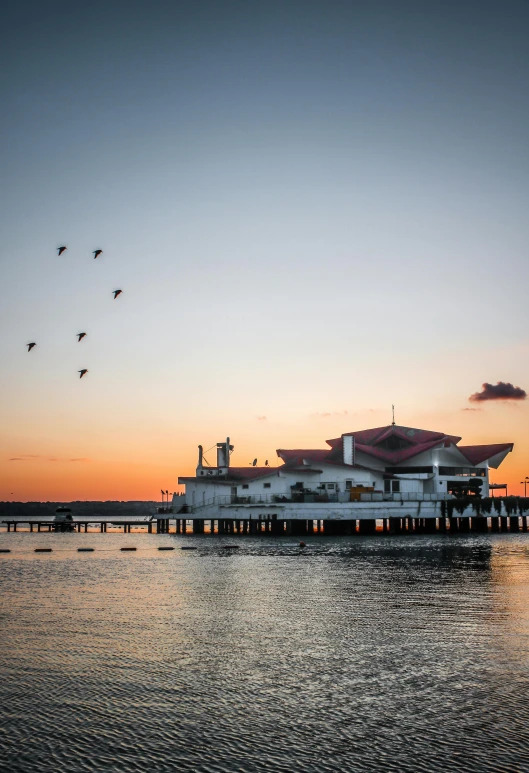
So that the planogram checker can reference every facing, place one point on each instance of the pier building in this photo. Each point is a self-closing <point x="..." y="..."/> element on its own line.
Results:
<point x="363" y="475"/>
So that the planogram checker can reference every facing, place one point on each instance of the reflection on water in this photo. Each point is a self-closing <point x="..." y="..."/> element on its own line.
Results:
<point x="373" y="654"/>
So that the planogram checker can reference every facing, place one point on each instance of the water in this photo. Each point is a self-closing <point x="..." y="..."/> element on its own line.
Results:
<point x="366" y="654"/>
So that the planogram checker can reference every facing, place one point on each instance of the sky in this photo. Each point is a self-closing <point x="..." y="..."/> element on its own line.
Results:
<point x="315" y="210"/>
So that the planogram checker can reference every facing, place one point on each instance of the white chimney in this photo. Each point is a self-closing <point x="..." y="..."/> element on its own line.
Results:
<point x="348" y="449"/>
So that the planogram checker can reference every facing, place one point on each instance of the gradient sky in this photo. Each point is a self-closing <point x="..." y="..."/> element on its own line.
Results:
<point x="314" y="209"/>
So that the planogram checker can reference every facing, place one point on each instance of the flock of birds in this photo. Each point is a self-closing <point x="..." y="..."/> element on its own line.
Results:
<point x="80" y="336"/>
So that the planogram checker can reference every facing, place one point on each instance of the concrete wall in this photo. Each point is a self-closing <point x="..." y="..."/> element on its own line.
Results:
<point x="330" y="511"/>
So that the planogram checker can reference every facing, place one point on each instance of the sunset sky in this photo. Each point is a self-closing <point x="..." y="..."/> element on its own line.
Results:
<point x="314" y="210"/>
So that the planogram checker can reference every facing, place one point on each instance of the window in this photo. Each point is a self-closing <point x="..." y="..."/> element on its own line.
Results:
<point x="479" y="472"/>
<point x="266" y="485"/>
<point x="409" y="470"/>
<point x="348" y="484"/>
<point x="387" y="487"/>
<point x="330" y="485"/>
<point x="245" y="485"/>
<point x="393" y="443"/>
<point x="395" y="486"/>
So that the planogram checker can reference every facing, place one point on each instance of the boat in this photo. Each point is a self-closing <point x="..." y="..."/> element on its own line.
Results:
<point x="63" y="520"/>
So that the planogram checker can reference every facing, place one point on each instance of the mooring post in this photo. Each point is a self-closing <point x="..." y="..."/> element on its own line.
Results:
<point x="480" y="524"/>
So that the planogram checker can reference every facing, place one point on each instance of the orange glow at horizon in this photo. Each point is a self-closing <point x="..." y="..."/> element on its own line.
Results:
<point x="138" y="467"/>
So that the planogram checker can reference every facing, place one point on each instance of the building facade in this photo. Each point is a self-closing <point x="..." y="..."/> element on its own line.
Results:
<point x="365" y="471"/>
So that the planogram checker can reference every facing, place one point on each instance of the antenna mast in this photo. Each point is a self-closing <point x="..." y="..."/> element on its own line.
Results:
<point x="393" y="415"/>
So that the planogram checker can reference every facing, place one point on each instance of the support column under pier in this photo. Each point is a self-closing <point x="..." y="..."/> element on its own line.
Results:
<point x="494" y="524"/>
<point x="198" y="526"/>
<point x="368" y="526"/>
<point x="334" y="528"/>
<point x="515" y="523"/>
<point x="298" y="528"/>
<point x="480" y="524"/>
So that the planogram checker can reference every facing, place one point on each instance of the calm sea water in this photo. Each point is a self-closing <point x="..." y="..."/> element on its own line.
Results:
<point x="366" y="654"/>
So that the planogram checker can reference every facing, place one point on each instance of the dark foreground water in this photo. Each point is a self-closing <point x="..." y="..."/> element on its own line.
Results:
<point x="367" y="654"/>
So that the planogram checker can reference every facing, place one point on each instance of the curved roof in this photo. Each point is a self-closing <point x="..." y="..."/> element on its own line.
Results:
<point x="393" y="445"/>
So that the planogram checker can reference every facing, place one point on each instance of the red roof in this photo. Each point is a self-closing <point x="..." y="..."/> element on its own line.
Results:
<point x="477" y="454"/>
<point x="234" y="474"/>
<point x="297" y="455"/>
<point x="250" y="473"/>
<point x="391" y="445"/>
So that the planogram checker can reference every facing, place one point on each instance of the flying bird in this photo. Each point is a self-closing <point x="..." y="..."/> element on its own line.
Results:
<point x="116" y="293"/>
<point x="60" y="250"/>
<point x="97" y="253"/>
<point x="30" y="346"/>
<point x="82" y="372"/>
<point x="254" y="462"/>
<point x="80" y="336"/>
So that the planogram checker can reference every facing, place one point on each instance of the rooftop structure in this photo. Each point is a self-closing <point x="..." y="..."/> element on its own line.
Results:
<point x="391" y="463"/>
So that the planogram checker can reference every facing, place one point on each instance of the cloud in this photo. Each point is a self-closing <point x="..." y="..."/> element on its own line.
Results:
<point x="261" y="418"/>
<point x="499" y="391"/>
<point x="37" y="457"/>
<point x="326" y="414"/>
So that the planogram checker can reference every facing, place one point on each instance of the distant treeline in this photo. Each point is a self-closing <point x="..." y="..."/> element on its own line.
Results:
<point x="47" y="509"/>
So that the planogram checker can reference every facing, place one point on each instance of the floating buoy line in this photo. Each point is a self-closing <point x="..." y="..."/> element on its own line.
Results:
<point x="129" y="549"/>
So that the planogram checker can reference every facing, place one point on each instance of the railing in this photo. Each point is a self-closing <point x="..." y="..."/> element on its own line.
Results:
<point x="226" y="500"/>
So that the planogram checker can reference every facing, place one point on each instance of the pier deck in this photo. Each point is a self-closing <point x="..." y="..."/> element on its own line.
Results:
<point x="158" y="525"/>
<point x="273" y="526"/>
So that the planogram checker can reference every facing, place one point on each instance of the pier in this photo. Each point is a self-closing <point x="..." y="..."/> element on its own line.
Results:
<point x="509" y="514"/>
<point x="158" y="526"/>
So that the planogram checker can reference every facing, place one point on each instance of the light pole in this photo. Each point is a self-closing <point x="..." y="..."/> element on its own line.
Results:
<point x="525" y="485"/>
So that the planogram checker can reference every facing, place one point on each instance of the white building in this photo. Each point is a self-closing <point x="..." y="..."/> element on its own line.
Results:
<point x="361" y="474"/>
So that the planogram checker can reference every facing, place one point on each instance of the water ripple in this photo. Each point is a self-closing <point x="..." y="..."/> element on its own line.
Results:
<point x="367" y="654"/>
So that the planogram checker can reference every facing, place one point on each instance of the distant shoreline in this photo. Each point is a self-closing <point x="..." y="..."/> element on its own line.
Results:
<point x="107" y="508"/>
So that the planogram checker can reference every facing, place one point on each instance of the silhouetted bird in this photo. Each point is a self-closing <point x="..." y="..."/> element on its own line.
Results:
<point x="30" y="346"/>
<point x="60" y="250"/>
<point x="97" y="253"/>
<point x="80" y="336"/>
<point x="82" y="372"/>
<point x="254" y="462"/>
<point x="266" y="463"/>
<point x="116" y="293"/>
